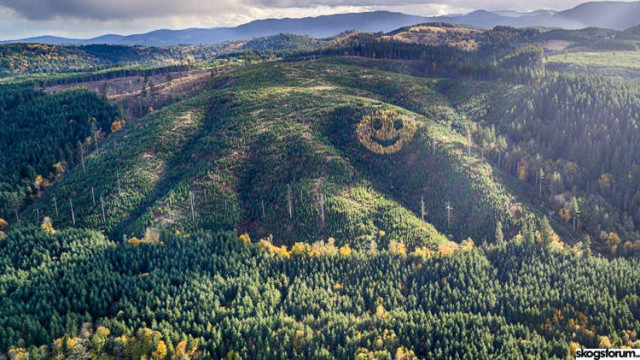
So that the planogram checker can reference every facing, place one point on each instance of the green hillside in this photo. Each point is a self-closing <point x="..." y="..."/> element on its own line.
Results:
<point x="274" y="150"/>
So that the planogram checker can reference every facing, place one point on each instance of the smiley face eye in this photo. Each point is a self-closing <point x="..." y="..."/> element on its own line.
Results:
<point x="398" y="124"/>
<point x="377" y="124"/>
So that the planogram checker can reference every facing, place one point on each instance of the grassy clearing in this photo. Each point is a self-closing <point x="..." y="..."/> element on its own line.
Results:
<point x="624" y="59"/>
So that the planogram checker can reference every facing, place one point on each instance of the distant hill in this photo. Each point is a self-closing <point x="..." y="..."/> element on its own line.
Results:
<point x="321" y="26"/>
<point x="611" y="15"/>
<point x="619" y="16"/>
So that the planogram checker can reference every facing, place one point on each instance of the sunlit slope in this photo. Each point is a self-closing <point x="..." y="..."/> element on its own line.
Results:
<point x="288" y="149"/>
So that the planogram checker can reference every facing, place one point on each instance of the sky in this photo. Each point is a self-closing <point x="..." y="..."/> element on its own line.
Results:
<point x="89" y="18"/>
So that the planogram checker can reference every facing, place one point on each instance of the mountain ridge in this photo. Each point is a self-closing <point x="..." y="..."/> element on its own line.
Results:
<point x="621" y="15"/>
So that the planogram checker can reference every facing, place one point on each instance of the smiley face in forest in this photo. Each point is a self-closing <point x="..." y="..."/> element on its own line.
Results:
<point x="385" y="132"/>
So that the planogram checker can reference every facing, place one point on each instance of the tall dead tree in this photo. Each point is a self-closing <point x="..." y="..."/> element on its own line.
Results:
<point x="93" y="196"/>
<point x="82" y="158"/>
<point x="321" y="208"/>
<point x="541" y="176"/>
<point x="104" y="215"/>
<point x="73" y="215"/>
<point x="289" y="202"/>
<point x="192" y="202"/>
<point x="448" y="208"/>
<point x="55" y="206"/>
<point x="469" y="138"/>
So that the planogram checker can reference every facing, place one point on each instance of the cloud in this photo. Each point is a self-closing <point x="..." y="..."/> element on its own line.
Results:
<point x="130" y="9"/>
<point x="116" y="9"/>
<point x="86" y="18"/>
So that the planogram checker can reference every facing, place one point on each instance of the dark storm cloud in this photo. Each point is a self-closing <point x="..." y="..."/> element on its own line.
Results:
<point x="113" y="9"/>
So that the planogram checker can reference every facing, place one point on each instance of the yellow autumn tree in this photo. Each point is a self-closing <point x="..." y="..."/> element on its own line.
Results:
<point x="613" y="239"/>
<point x="267" y="246"/>
<point x="467" y="245"/>
<point x="299" y="249"/>
<point x="3" y="224"/>
<point x="245" y="238"/>
<point x="103" y="331"/>
<point x="151" y="236"/>
<point x="604" y="342"/>
<point x="47" y="226"/>
<point x="573" y="347"/>
<point x="60" y="169"/>
<point x="397" y="248"/>
<point x="402" y="353"/>
<point x="422" y="253"/>
<point x="345" y="250"/>
<point x="160" y="352"/>
<point x="181" y="352"/>
<point x="446" y="249"/>
<point x="41" y="183"/>
<point x="116" y="125"/>
<point x="18" y="354"/>
<point x="133" y="241"/>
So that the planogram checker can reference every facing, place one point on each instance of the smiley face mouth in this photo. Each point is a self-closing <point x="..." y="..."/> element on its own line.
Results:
<point x="385" y="143"/>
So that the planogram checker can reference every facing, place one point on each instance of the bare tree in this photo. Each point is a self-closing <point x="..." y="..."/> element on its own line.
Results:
<point x="82" y="158"/>
<point x="104" y="215"/>
<point x="321" y="207"/>
<point x="192" y="202"/>
<point x="449" y="209"/>
<point x="73" y="216"/>
<point x="289" y="202"/>
<point x="55" y="206"/>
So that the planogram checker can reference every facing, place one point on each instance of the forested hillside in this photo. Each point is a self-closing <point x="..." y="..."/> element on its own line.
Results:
<point x="434" y="192"/>
<point x="22" y="59"/>
<point x="19" y="59"/>
<point x="44" y="136"/>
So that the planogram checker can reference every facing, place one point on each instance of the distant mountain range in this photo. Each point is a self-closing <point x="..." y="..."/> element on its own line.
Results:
<point x="606" y="14"/>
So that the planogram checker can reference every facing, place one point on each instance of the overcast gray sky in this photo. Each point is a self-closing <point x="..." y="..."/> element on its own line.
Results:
<point x="88" y="18"/>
